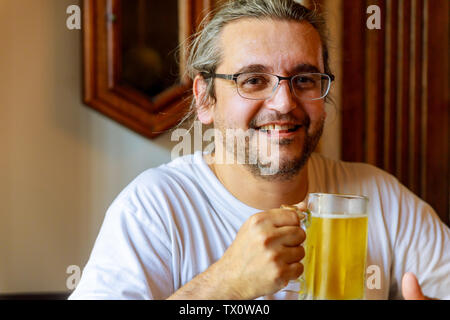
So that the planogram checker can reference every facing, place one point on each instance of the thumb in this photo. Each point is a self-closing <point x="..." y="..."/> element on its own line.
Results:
<point x="410" y="287"/>
<point x="301" y="205"/>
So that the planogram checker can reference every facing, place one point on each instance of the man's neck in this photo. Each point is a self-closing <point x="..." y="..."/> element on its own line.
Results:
<point x="257" y="192"/>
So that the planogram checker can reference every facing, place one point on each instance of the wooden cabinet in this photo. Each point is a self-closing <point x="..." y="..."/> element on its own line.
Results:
<point x="131" y="69"/>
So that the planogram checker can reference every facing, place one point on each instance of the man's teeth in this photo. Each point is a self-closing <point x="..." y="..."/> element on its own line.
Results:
<point x="278" y="127"/>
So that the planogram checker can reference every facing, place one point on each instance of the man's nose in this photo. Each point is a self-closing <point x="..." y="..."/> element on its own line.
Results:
<point x="283" y="99"/>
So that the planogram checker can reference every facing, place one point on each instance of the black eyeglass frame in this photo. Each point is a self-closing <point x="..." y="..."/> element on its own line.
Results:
<point x="233" y="77"/>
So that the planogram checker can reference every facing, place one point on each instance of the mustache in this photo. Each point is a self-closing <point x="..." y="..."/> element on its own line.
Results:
<point x="258" y="121"/>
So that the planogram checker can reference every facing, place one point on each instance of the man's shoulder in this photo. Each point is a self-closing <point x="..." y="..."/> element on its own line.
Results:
<point x="351" y="170"/>
<point x="182" y="172"/>
<point x="179" y="170"/>
<point x="325" y="162"/>
<point x="157" y="187"/>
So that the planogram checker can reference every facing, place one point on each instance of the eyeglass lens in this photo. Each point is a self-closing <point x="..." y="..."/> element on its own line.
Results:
<point x="308" y="86"/>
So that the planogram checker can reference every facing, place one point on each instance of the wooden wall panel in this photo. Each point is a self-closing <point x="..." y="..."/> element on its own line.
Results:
<point x="416" y="65"/>
<point x="436" y="188"/>
<point x="396" y="93"/>
<point x="374" y="84"/>
<point x="390" y="107"/>
<point x="353" y="86"/>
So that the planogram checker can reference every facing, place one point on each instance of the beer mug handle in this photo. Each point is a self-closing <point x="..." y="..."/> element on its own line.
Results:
<point x="305" y="221"/>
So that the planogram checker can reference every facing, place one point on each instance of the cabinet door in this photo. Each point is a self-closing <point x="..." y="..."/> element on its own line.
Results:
<point x="134" y="58"/>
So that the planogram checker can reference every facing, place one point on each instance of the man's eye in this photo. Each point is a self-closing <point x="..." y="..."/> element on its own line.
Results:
<point x="255" y="81"/>
<point x="305" y="82"/>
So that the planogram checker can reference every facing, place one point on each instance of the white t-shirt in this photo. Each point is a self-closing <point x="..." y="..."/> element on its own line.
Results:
<point x="172" y="222"/>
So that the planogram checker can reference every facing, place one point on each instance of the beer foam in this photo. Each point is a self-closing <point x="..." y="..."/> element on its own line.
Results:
<point x="356" y="207"/>
<point x="331" y="203"/>
<point x="338" y="215"/>
<point x="326" y="203"/>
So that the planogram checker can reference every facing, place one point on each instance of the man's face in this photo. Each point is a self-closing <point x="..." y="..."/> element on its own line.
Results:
<point x="278" y="47"/>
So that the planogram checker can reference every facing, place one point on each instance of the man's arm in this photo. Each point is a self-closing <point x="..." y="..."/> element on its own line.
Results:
<point x="263" y="258"/>
<point x="209" y="285"/>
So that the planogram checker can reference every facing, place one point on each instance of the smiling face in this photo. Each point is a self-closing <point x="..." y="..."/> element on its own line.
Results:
<point x="284" y="122"/>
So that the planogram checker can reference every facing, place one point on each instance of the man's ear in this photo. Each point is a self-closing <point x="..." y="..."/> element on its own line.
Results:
<point x="202" y="101"/>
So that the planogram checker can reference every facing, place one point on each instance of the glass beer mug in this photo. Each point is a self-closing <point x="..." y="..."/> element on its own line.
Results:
<point x="335" y="247"/>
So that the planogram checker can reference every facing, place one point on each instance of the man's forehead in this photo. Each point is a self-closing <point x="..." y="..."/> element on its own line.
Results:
<point x="271" y="45"/>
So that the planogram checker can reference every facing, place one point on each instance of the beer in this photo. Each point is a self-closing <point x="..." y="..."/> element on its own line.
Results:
<point x="335" y="257"/>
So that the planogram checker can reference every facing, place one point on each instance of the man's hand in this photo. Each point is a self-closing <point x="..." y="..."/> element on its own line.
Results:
<point x="265" y="254"/>
<point x="411" y="289"/>
<point x="263" y="258"/>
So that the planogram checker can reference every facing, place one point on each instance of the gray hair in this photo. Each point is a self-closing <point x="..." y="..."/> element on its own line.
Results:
<point x="205" y="53"/>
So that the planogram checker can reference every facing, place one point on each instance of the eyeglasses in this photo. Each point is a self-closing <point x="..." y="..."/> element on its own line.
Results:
<point x="262" y="86"/>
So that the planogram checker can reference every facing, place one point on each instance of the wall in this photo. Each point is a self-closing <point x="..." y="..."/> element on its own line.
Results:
<point x="61" y="163"/>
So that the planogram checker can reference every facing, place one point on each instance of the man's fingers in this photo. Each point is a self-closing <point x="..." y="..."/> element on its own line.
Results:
<point x="294" y="254"/>
<point x="410" y="287"/>
<point x="290" y="236"/>
<point x="301" y="205"/>
<point x="288" y="255"/>
<point x="295" y="270"/>
<point x="300" y="211"/>
<point x="283" y="217"/>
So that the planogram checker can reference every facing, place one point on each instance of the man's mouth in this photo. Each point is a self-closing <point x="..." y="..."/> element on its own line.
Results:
<point x="279" y="128"/>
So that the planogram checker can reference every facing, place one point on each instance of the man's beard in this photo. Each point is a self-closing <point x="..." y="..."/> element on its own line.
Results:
<point x="263" y="167"/>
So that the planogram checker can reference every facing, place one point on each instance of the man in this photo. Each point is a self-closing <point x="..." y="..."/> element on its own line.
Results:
<point x="203" y="228"/>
